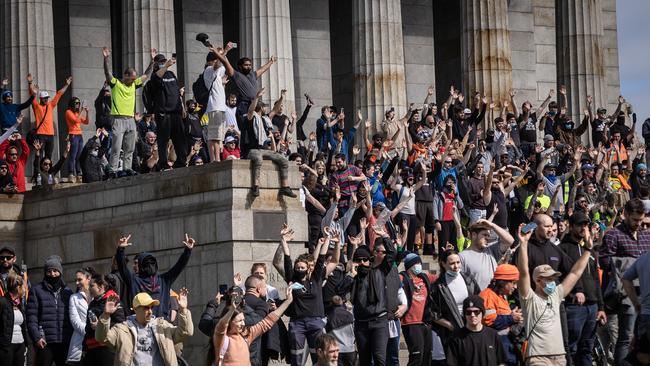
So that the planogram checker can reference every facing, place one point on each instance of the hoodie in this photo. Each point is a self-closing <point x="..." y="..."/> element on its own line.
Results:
<point x="148" y="280"/>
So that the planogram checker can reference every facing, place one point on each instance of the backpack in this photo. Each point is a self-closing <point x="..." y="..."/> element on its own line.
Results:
<point x="148" y="97"/>
<point x="201" y="92"/>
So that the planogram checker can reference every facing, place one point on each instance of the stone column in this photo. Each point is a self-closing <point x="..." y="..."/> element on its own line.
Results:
<point x="146" y="24"/>
<point x="265" y="31"/>
<point x="486" y="56"/>
<point x="378" y="59"/>
<point x="580" y="63"/>
<point x="27" y="46"/>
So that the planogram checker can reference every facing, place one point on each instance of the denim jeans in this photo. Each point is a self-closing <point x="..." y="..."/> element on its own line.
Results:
<point x="626" y="318"/>
<point x="372" y="341"/>
<point x="476" y="214"/>
<point x="581" y="323"/>
<point x="76" y="146"/>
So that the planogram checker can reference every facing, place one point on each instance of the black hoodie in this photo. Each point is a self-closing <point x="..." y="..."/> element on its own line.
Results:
<point x="589" y="281"/>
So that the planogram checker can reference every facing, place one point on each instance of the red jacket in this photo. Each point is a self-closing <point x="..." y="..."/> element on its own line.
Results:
<point x="17" y="170"/>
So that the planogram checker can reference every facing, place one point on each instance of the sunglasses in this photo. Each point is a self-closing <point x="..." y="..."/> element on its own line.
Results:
<point x="3" y="167"/>
<point x="46" y="163"/>
<point x="645" y="225"/>
<point x="472" y="312"/>
<point x="364" y="259"/>
<point x="13" y="154"/>
<point x="6" y="257"/>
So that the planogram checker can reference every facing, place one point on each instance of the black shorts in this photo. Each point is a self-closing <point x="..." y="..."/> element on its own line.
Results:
<point x="424" y="214"/>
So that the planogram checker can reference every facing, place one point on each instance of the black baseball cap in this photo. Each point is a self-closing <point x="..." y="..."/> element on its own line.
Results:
<point x="579" y="218"/>
<point x="7" y="249"/>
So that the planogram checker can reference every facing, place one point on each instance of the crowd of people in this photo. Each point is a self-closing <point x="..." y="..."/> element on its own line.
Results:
<point x="542" y="243"/>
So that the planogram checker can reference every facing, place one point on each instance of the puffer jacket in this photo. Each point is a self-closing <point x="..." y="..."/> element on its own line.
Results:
<point x="78" y="311"/>
<point x="122" y="337"/>
<point x="47" y="313"/>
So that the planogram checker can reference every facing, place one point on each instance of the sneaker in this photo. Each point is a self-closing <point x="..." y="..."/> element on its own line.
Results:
<point x="286" y="191"/>
<point x="255" y="191"/>
<point x="72" y="178"/>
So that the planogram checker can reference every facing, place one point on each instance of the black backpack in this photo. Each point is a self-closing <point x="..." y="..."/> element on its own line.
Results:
<point x="201" y="93"/>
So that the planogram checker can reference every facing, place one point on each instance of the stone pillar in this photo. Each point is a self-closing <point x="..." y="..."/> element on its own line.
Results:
<point x="146" y="24"/>
<point x="90" y="30"/>
<point x="486" y="56"/>
<point x="199" y="16"/>
<point x="265" y="31"/>
<point x="27" y="46"/>
<point x="419" y="60"/>
<point x="378" y="59"/>
<point x="580" y="64"/>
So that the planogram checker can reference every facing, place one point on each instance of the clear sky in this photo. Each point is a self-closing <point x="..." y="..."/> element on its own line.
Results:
<point x="633" y="20"/>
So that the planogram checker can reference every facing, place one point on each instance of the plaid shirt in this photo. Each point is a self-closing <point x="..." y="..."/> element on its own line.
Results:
<point x="619" y="242"/>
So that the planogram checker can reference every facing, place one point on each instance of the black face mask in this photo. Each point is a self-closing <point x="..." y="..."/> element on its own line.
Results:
<point x="363" y="271"/>
<point x="568" y="126"/>
<point x="53" y="281"/>
<point x="148" y="267"/>
<point x="299" y="275"/>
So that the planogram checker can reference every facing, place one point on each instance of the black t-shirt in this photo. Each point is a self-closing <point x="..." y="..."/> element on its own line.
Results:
<point x="597" y="131"/>
<point x="529" y="131"/>
<point x="167" y="93"/>
<point x="307" y="303"/>
<point x="467" y="348"/>
<point x="498" y="198"/>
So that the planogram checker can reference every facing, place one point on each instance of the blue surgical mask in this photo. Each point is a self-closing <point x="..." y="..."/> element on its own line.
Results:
<point x="452" y="274"/>
<point x="417" y="269"/>
<point x="161" y="65"/>
<point x="549" y="288"/>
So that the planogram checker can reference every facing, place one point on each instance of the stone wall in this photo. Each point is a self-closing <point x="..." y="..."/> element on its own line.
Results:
<point x="419" y="61"/>
<point x="610" y="55"/>
<point x="212" y="203"/>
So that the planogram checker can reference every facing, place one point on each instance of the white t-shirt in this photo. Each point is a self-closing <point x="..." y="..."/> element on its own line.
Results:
<point x="231" y="117"/>
<point x="403" y="193"/>
<point x="146" y="347"/>
<point x="458" y="289"/>
<point x="543" y="317"/>
<point x="217" y="98"/>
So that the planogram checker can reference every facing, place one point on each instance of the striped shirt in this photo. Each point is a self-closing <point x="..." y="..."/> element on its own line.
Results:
<point x="347" y="186"/>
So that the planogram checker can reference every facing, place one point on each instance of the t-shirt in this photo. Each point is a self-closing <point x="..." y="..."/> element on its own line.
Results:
<point x="481" y="265"/>
<point x="542" y="316"/>
<point x="529" y="131"/>
<point x="415" y="312"/>
<point x="17" y="333"/>
<point x="448" y="206"/>
<point x="146" y="347"/>
<point x="458" y="289"/>
<point x="482" y="348"/>
<point x="231" y="118"/>
<point x="543" y="199"/>
<point x="123" y="97"/>
<point x="641" y="269"/>
<point x="403" y="192"/>
<point x="166" y="94"/>
<point x="597" y="131"/>
<point x="45" y="114"/>
<point x="212" y="79"/>
<point x="246" y="85"/>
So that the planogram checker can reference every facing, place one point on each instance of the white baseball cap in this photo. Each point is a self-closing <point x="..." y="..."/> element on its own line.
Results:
<point x="44" y="94"/>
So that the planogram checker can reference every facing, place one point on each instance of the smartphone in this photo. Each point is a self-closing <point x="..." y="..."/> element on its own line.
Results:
<point x="223" y="289"/>
<point x="342" y="110"/>
<point x="234" y="44"/>
<point x="174" y="55"/>
<point x="528" y="227"/>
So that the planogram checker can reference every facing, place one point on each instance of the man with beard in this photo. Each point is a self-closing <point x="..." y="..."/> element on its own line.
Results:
<point x="246" y="83"/>
<point x="527" y="122"/>
<point x="147" y="279"/>
<point x="147" y="153"/>
<point x="8" y="265"/>
<point x="599" y="124"/>
<point x="327" y="350"/>
<point x="465" y="117"/>
<point x="372" y="303"/>
<point x="47" y="315"/>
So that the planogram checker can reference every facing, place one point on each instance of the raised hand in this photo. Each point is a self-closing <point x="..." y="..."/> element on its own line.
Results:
<point x="590" y="99"/>
<point x="551" y="93"/>
<point x="112" y="304"/>
<point x="523" y="238"/>
<point x="30" y="78"/>
<point x="68" y="80"/>
<point x="356" y="150"/>
<point x="182" y="298"/>
<point x="106" y="52"/>
<point x="563" y="89"/>
<point x="260" y="92"/>
<point x="512" y="93"/>
<point x="5" y="82"/>
<point x="273" y="59"/>
<point x="37" y="145"/>
<point x="237" y="280"/>
<point x="355" y="240"/>
<point x="286" y="234"/>
<point x="430" y="90"/>
<point x="188" y="242"/>
<point x="124" y="242"/>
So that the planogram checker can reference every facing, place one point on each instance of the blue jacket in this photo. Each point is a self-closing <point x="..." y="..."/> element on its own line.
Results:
<point x="345" y="143"/>
<point x="9" y="112"/>
<point x="47" y="313"/>
<point x="158" y="285"/>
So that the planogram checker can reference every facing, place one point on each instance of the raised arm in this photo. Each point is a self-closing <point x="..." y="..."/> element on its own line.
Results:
<point x="259" y="72"/>
<point x="251" y="108"/>
<point x="161" y="71"/>
<point x="230" y="71"/>
<point x="522" y="263"/>
<point x="106" y="52"/>
<point x="541" y="108"/>
<point x="182" y="261"/>
<point x="515" y="110"/>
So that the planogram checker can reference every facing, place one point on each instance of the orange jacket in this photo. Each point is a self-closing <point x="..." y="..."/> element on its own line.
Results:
<point x="47" y="128"/>
<point x="74" y="120"/>
<point x="495" y="305"/>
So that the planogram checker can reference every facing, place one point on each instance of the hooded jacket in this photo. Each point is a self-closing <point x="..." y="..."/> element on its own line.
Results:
<point x="17" y="170"/>
<point x="148" y="280"/>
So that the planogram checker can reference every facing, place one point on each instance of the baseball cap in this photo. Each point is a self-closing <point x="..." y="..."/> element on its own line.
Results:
<point x="545" y="271"/>
<point x="601" y="110"/>
<point x="467" y="111"/>
<point x="549" y="138"/>
<point x="587" y="166"/>
<point x="579" y="218"/>
<point x="160" y="58"/>
<point x="144" y="299"/>
<point x="7" y="249"/>
<point x="43" y="94"/>
<point x="229" y="139"/>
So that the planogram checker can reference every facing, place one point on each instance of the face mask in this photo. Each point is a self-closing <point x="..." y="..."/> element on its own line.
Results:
<point x="161" y="65"/>
<point x="550" y="175"/>
<point x="52" y="281"/>
<point x="549" y="289"/>
<point x="297" y="286"/>
<point x="551" y="113"/>
<point x="452" y="274"/>
<point x="299" y="275"/>
<point x="148" y="267"/>
<point x="94" y="153"/>
<point x="417" y="269"/>
<point x="363" y="271"/>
